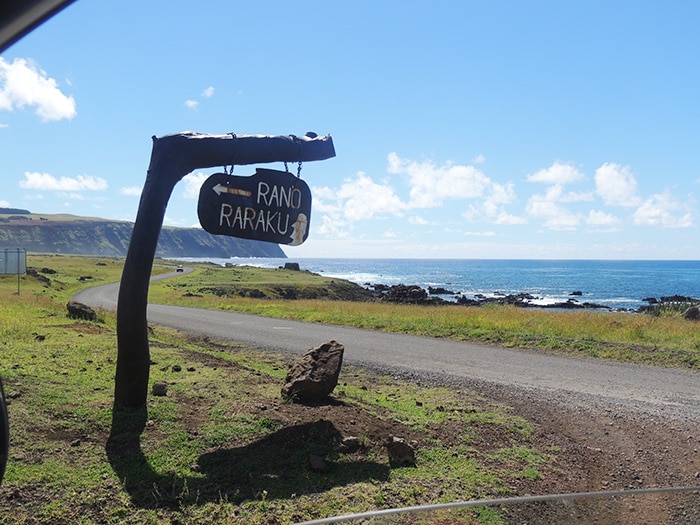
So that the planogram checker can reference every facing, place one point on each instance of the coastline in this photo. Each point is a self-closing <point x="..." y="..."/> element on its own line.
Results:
<point x="414" y="294"/>
<point x="616" y="286"/>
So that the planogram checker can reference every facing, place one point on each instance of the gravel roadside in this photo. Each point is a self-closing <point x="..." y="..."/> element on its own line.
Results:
<point x="602" y="447"/>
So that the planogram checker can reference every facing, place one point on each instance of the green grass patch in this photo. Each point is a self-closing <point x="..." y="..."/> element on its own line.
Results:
<point x="222" y="446"/>
<point x="665" y="340"/>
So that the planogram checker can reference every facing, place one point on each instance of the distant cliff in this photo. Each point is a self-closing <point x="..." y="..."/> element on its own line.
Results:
<point x="72" y="234"/>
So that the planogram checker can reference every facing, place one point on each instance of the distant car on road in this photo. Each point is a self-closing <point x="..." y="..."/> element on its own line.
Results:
<point x="179" y="268"/>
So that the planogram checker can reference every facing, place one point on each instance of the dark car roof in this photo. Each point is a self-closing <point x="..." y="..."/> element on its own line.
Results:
<point x="19" y="17"/>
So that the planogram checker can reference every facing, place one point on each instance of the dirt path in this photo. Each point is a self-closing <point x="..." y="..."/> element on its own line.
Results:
<point x="608" y="448"/>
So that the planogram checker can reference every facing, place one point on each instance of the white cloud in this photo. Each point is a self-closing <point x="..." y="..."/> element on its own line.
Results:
<point x="480" y="234"/>
<point x="167" y="221"/>
<point x="431" y="185"/>
<point x="556" y="217"/>
<point x="332" y="225"/>
<point x="131" y="191"/>
<point x="502" y="193"/>
<point x="600" y="218"/>
<point x="557" y="173"/>
<point x="555" y="193"/>
<point x="479" y="159"/>
<point x="492" y="210"/>
<point x="508" y="219"/>
<point x="193" y="183"/>
<point x="357" y="199"/>
<point x="194" y="104"/>
<point x="47" y="182"/>
<point x="363" y="199"/>
<point x="548" y="206"/>
<point x="601" y="222"/>
<point x="4" y="204"/>
<point x="616" y="185"/>
<point x="663" y="210"/>
<point x="418" y="220"/>
<point x="23" y="83"/>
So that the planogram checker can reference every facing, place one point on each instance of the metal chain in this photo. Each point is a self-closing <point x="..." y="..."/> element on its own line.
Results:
<point x="234" y="137"/>
<point x="296" y="141"/>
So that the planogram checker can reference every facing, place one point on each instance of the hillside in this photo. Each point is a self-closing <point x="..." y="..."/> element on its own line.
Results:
<point x="72" y="234"/>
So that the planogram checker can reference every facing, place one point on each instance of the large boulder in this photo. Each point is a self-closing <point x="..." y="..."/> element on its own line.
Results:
<point x="315" y="374"/>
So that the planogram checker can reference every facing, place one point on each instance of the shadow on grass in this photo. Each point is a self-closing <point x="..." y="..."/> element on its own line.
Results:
<point x="273" y="467"/>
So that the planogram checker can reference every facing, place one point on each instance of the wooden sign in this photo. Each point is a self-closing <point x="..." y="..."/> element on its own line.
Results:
<point x="272" y="206"/>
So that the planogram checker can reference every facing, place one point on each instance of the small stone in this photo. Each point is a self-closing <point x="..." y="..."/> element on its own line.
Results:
<point x="401" y="454"/>
<point x="349" y="444"/>
<point x="177" y="368"/>
<point x="160" y="389"/>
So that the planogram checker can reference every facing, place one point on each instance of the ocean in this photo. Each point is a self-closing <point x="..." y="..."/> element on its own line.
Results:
<point x="611" y="283"/>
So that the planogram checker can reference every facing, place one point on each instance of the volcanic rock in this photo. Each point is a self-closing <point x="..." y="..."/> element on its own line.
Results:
<point x="160" y="389"/>
<point x="692" y="314"/>
<point x="78" y="310"/>
<point x="315" y="374"/>
<point x="401" y="454"/>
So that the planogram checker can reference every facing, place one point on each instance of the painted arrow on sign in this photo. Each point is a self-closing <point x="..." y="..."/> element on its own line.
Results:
<point x="220" y="188"/>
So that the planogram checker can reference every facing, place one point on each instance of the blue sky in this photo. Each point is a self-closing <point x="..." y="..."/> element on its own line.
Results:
<point x="492" y="129"/>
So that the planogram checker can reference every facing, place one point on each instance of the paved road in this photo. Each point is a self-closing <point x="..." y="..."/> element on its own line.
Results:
<point x="658" y="391"/>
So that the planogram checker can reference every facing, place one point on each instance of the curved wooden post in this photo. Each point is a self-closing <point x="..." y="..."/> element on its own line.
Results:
<point x="173" y="157"/>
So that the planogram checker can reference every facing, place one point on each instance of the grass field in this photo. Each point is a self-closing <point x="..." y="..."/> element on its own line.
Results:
<point x="666" y="340"/>
<point x="223" y="446"/>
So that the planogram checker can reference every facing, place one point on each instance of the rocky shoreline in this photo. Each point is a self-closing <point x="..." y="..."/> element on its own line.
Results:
<point x="414" y="294"/>
<point x="689" y="307"/>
